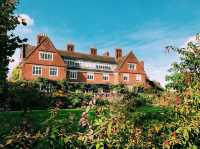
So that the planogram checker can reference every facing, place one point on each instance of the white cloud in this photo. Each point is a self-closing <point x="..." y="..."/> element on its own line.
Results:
<point x="26" y="18"/>
<point x="189" y="39"/>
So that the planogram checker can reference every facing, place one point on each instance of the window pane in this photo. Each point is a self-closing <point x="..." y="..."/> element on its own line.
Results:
<point x="37" y="70"/>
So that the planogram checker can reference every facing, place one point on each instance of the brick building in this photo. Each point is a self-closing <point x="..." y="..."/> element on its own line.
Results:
<point x="44" y="60"/>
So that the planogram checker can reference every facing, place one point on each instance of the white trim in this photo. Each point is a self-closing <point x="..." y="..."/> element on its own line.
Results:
<point x="107" y="75"/>
<point x="37" y="66"/>
<point x="138" y="77"/>
<point x="126" y="75"/>
<point x="90" y="73"/>
<point x="73" y="71"/>
<point x="132" y="64"/>
<point x="50" y="71"/>
<point x="45" y="53"/>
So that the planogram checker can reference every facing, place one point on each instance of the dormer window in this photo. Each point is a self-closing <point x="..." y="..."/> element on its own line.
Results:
<point x="46" y="56"/>
<point x="131" y="66"/>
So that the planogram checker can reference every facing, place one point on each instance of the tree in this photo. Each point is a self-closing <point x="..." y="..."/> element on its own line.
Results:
<point x="15" y="74"/>
<point x="187" y="70"/>
<point x="8" y="40"/>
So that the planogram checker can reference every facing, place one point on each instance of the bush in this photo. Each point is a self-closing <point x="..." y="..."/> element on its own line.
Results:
<point x="102" y="102"/>
<point x="24" y="96"/>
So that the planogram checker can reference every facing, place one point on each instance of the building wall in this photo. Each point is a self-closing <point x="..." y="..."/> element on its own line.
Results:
<point x="27" y="72"/>
<point x="132" y="73"/>
<point x="33" y="59"/>
<point x="132" y="79"/>
<point x="98" y="78"/>
<point x="115" y="77"/>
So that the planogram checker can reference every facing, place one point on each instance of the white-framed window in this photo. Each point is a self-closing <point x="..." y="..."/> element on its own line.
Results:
<point x="90" y="75"/>
<point x="103" y="66"/>
<point x="46" y="56"/>
<point x="73" y="63"/>
<point x="138" y="77"/>
<point x="106" y="76"/>
<point x="131" y="66"/>
<point x="126" y="77"/>
<point x="53" y="71"/>
<point x="37" y="70"/>
<point x="73" y="74"/>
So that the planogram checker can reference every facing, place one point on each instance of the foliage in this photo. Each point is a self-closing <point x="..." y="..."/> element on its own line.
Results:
<point x="121" y="124"/>
<point x="8" y="40"/>
<point x="185" y="79"/>
<point x="102" y="102"/>
<point x="24" y="96"/>
<point x="39" y="128"/>
<point x="186" y="71"/>
<point x="16" y="74"/>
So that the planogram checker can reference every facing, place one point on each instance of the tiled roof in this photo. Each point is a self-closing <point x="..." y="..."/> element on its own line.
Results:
<point x="77" y="55"/>
<point x="29" y="49"/>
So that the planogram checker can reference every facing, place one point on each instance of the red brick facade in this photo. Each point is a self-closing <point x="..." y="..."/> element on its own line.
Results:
<point x="115" y="70"/>
<point x="33" y="59"/>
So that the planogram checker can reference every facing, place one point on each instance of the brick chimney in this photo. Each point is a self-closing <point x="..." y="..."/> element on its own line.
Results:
<point x="142" y="64"/>
<point x="41" y="37"/>
<point x="118" y="53"/>
<point x="70" y="47"/>
<point x="23" y="51"/>
<point x="106" y="54"/>
<point x="93" y="51"/>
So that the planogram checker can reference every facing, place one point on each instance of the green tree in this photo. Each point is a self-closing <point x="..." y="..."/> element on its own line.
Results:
<point x="15" y="74"/>
<point x="8" y="40"/>
<point x="187" y="71"/>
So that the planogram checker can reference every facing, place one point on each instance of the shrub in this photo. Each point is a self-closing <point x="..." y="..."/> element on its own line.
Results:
<point x="26" y="96"/>
<point x="102" y="102"/>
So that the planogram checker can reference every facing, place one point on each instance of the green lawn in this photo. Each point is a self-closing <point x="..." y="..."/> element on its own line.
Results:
<point x="38" y="118"/>
<point x="151" y="109"/>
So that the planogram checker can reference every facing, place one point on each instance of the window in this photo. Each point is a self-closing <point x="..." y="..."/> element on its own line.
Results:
<point x="46" y="56"/>
<point x="90" y="76"/>
<point x="37" y="70"/>
<point x="73" y="74"/>
<point x="53" y="71"/>
<point x="73" y="63"/>
<point x="126" y="77"/>
<point x="131" y="66"/>
<point x="103" y="66"/>
<point x="138" y="77"/>
<point x="106" y="76"/>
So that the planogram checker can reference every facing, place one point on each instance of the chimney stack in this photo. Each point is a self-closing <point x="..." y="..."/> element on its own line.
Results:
<point x="41" y="37"/>
<point x="118" y="53"/>
<point x="106" y="54"/>
<point x="70" y="47"/>
<point x="142" y="64"/>
<point x="93" y="51"/>
<point x="23" y="51"/>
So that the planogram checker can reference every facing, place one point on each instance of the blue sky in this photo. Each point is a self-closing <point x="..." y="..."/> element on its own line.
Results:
<point x="143" y="26"/>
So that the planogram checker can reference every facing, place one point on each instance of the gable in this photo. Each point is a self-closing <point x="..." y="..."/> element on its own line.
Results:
<point x="45" y="46"/>
<point x="130" y="58"/>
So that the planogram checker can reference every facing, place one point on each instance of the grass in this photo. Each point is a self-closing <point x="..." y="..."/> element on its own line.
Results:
<point x="151" y="109"/>
<point x="38" y="118"/>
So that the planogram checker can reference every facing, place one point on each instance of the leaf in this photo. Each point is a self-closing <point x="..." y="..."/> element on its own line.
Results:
<point x="9" y="141"/>
<point x="194" y="147"/>
<point x="87" y="109"/>
<point x="97" y="146"/>
<point x="186" y="134"/>
<point x="109" y="128"/>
